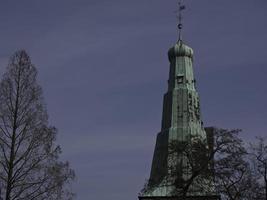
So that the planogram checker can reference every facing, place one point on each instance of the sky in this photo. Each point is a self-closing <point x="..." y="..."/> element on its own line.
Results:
<point x="103" y="68"/>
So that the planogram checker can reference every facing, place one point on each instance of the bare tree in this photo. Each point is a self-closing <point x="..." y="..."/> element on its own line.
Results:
<point x="193" y="165"/>
<point x="30" y="168"/>
<point x="230" y="166"/>
<point x="233" y="175"/>
<point x="221" y="164"/>
<point x="258" y="153"/>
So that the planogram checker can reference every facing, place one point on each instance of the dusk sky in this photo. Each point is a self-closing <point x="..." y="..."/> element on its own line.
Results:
<point x="103" y="68"/>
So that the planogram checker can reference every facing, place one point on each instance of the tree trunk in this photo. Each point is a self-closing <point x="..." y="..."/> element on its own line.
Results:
<point x="13" y="142"/>
<point x="265" y="180"/>
<point x="10" y="169"/>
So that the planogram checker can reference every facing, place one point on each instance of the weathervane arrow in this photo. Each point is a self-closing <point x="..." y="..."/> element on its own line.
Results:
<point x="180" y="24"/>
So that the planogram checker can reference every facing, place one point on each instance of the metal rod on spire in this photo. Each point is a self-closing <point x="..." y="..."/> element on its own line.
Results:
<point x="180" y="18"/>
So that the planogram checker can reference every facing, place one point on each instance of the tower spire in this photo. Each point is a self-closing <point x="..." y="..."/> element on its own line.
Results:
<point x="181" y="125"/>
<point x="180" y="18"/>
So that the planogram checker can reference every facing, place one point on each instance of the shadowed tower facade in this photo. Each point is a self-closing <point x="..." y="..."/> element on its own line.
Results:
<point x="181" y="121"/>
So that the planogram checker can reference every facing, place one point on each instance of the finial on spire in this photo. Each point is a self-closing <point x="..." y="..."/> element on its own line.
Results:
<point x="180" y="18"/>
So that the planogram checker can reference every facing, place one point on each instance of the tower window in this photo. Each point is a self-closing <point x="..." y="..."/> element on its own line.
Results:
<point x="180" y="79"/>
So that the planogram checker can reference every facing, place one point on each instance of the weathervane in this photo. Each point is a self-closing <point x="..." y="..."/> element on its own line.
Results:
<point x="180" y="18"/>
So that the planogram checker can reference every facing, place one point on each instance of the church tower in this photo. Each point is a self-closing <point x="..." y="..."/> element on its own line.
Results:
<point x="181" y="121"/>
